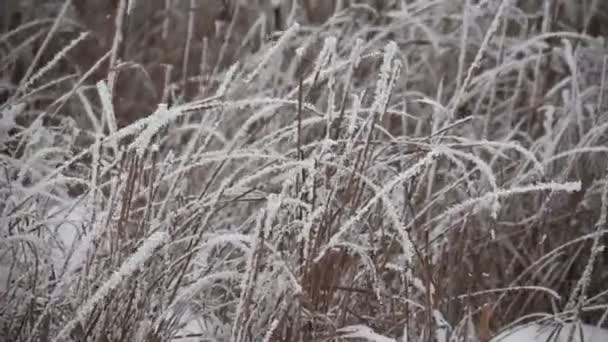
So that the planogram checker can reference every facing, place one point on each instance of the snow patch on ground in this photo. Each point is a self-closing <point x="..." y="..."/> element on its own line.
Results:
<point x="194" y="329"/>
<point x="553" y="333"/>
<point x="67" y="230"/>
<point x="363" y="332"/>
<point x="192" y="332"/>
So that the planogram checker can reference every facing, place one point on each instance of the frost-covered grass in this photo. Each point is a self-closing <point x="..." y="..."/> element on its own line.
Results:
<point x="411" y="170"/>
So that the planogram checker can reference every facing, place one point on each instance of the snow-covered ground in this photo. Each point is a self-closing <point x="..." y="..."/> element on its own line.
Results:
<point x="67" y="221"/>
<point x="569" y="332"/>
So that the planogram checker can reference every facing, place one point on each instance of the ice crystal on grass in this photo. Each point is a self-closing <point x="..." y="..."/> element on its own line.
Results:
<point x="381" y="196"/>
<point x="266" y="58"/>
<point x="355" y="55"/>
<point x="157" y="120"/>
<point x="7" y="120"/>
<point x="490" y="198"/>
<point x="56" y="58"/>
<point x="311" y="188"/>
<point x="504" y="4"/>
<point x="325" y="55"/>
<point x="387" y="71"/>
<point x="132" y="264"/>
<point x="228" y="78"/>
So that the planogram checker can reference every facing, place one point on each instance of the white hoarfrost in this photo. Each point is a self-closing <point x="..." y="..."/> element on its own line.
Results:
<point x="7" y="120"/>
<point x="127" y="268"/>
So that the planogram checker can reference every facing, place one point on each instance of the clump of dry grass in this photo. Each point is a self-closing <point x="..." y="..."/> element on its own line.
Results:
<point x="396" y="170"/>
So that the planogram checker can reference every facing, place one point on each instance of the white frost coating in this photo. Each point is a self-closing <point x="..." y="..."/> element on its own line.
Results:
<point x="491" y="196"/>
<point x="386" y="70"/>
<point x="127" y="268"/>
<point x="186" y="294"/>
<point x="108" y="110"/>
<point x="157" y="120"/>
<point x="266" y="58"/>
<point x="7" y="119"/>
<point x="300" y="51"/>
<point x="228" y="77"/>
<point x="442" y="328"/>
<point x="355" y="56"/>
<point x="410" y="172"/>
<point x="328" y="50"/>
<point x="554" y="333"/>
<point x="56" y="58"/>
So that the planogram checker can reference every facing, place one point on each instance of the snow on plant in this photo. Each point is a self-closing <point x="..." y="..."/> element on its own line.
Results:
<point x="386" y="73"/>
<point x="127" y="269"/>
<point x="309" y="189"/>
<point x="287" y="35"/>
<point x="7" y="121"/>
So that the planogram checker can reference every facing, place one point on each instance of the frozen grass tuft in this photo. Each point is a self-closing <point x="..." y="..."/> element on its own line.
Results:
<point x="380" y="171"/>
